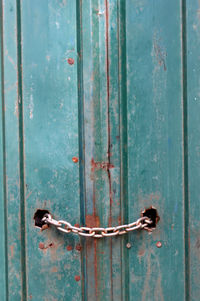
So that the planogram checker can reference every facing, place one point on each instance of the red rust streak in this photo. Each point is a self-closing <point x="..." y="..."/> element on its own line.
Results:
<point x="101" y="165"/>
<point x="95" y="268"/>
<point x="109" y="136"/>
<point x="90" y="221"/>
<point x="12" y="251"/>
<point x="41" y="245"/>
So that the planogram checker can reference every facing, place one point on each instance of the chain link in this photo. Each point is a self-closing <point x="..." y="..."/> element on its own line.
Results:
<point x="97" y="232"/>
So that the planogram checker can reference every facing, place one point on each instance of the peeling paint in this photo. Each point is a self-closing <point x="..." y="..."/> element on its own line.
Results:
<point x="31" y="107"/>
<point x="159" y="52"/>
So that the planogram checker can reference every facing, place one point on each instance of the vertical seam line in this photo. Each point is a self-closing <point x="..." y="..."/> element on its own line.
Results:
<point x="185" y="150"/>
<point x="81" y="141"/>
<point x="4" y="155"/>
<point x="21" y="151"/>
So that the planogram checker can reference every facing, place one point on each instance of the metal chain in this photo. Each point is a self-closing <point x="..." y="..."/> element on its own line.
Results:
<point x="97" y="232"/>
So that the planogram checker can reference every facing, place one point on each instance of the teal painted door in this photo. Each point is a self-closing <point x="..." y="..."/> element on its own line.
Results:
<point x="100" y="110"/>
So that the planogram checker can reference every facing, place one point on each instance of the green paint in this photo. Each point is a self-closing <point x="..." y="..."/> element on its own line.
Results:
<point x="3" y="205"/>
<point x="155" y="147"/>
<point x="193" y="102"/>
<point x="51" y="141"/>
<point x="130" y="101"/>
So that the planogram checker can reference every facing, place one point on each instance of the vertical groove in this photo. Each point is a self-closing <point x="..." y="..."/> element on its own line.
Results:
<point x="4" y="154"/>
<point x="123" y="142"/>
<point x="81" y="140"/>
<point x="21" y="152"/>
<point x="109" y="135"/>
<point x="185" y="150"/>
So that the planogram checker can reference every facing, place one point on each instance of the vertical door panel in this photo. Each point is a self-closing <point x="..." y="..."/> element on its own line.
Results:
<point x="3" y="250"/>
<point x="50" y="88"/>
<point x="100" y="112"/>
<point x="13" y="198"/>
<point x="102" y="145"/>
<point x="155" y="148"/>
<point x="192" y="99"/>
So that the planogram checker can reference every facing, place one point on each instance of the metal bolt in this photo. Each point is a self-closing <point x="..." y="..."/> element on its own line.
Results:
<point x="128" y="245"/>
<point x="77" y="278"/>
<point x="75" y="159"/>
<point x="158" y="244"/>
<point x="70" y="61"/>
<point x="69" y="248"/>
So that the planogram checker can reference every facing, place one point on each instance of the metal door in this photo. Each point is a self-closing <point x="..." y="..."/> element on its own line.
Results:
<point x="100" y="120"/>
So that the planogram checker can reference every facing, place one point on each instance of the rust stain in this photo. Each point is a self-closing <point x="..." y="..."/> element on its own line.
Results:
<point x="95" y="268"/>
<point x="41" y="246"/>
<point x="141" y="252"/>
<point x="11" y="60"/>
<point x="54" y="269"/>
<point x="77" y="225"/>
<point x="44" y="227"/>
<point x="92" y="220"/>
<point x="70" y="61"/>
<point x="11" y="251"/>
<point x="78" y="247"/>
<point x="28" y="194"/>
<point x="75" y="159"/>
<point x="109" y="134"/>
<point x="147" y="277"/>
<point x="160" y="55"/>
<point x="154" y="196"/>
<point x="77" y="278"/>
<point x="69" y="248"/>
<point x="100" y="165"/>
<point x="53" y="250"/>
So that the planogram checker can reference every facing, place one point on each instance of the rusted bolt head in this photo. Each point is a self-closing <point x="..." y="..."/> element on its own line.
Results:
<point x="69" y="248"/>
<point x="158" y="244"/>
<point x="77" y="278"/>
<point x="70" y="61"/>
<point x="75" y="159"/>
<point x="128" y="245"/>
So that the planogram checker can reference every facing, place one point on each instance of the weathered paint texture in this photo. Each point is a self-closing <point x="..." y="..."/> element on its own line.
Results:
<point x="100" y="106"/>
